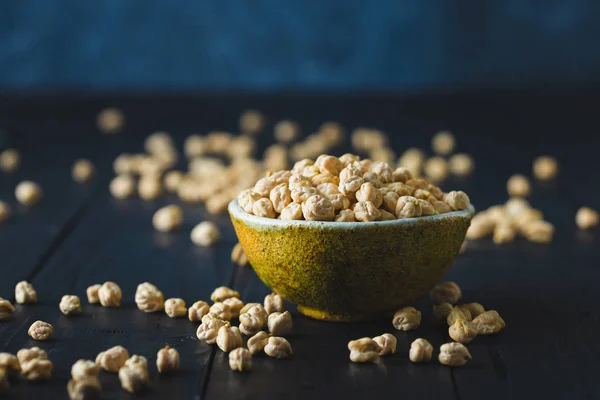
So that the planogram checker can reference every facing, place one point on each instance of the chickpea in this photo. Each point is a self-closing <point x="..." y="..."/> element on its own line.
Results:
<point x="412" y="159"/>
<point x="440" y="207"/>
<point x="443" y="143"/>
<point x="229" y="338"/>
<point x="408" y="207"/>
<point x="167" y="360"/>
<point x="345" y="216"/>
<point x="253" y="320"/>
<point x="246" y="200"/>
<point x="461" y="164"/>
<point x="168" y="218"/>
<point x="112" y="359"/>
<point x="518" y="186"/>
<point x="286" y="131"/>
<point x="386" y="216"/>
<point x="442" y="310"/>
<point x="457" y="200"/>
<point x="426" y="208"/>
<point x="175" y="308"/>
<point x="205" y="234"/>
<point x="475" y="309"/>
<point x="368" y="192"/>
<point x="458" y="314"/>
<point x="257" y="343"/>
<point x="40" y="330"/>
<point x="92" y="294"/>
<point x="83" y="171"/>
<point x="292" y="211"/>
<point x="280" y="323"/>
<point x="504" y="233"/>
<point x="148" y="298"/>
<point x="318" y="208"/>
<point x="278" y="347"/>
<point x="133" y="379"/>
<point x="436" y="169"/>
<point x="110" y="295"/>
<point x="462" y="331"/>
<point x="37" y="369"/>
<point x="221" y="311"/>
<point x="420" y="351"/>
<point x="387" y="342"/>
<point x="454" y="354"/>
<point x="110" y="120"/>
<point x="222" y="293"/>
<point x="273" y="303"/>
<point x="366" y="211"/>
<point x="263" y="208"/>
<point x="390" y="200"/>
<point x="84" y="388"/>
<point x="545" y="168"/>
<point x="329" y="164"/>
<point x="252" y="122"/>
<point x="364" y="350"/>
<point x="447" y="292"/>
<point x="25" y="293"/>
<point x="481" y="226"/>
<point x="70" y="304"/>
<point x="28" y="193"/>
<point x="488" y="323"/>
<point x="406" y="319"/>
<point x="538" y="231"/>
<point x="350" y="186"/>
<point x="5" y="212"/>
<point x="10" y="159"/>
<point x="401" y="174"/>
<point x="84" y="369"/>
<point x="240" y="359"/>
<point x="586" y="218"/>
<point x="9" y="363"/>
<point x="34" y="353"/>
<point x="198" y="310"/>
<point x="149" y="187"/>
<point x="238" y="256"/>
<point x="122" y="187"/>
<point x="209" y="329"/>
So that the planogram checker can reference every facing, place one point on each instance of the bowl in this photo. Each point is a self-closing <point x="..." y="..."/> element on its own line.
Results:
<point x="351" y="271"/>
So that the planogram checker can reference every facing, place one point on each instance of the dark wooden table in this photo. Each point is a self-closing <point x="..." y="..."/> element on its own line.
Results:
<point x="79" y="235"/>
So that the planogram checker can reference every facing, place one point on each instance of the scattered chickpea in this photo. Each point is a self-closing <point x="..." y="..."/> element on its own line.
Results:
<point x="436" y="169"/>
<point x="84" y="369"/>
<point x="229" y="338"/>
<point x="481" y="226"/>
<point x="221" y="311"/>
<point x="4" y="380"/>
<point x="387" y="342"/>
<point x="412" y="159"/>
<point x="257" y="343"/>
<point x="457" y="314"/>
<point x="406" y="319"/>
<point x="364" y="350"/>
<point x="278" y="347"/>
<point x="172" y="180"/>
<point x="83" y="171"/>
<point x="148" y="298"/>
<point x="504" y="232"/>
<point x="274" y="303"/>
<point x="253" y="320"/>
<point x="420" y="351"/>
<point x="280" y="323"/>
<point x="149" y="187"/>
<point x="586" y="218"/>
<point x="240" y="359"/>
<point x="34" y="353"/>
<point x="488" y="323"/>
<point x="198" y="310"/>
<point x="252" y="122"/>
<point x="209" y="329"/>
<point x="462" y="331"/>
<point x="461" y="164"/>
<point x="463" y="247"/>
<point x="545" y="168"/>
<point x="175" y="308"/>
<point x="238" y="256"/>
<point x="84" y="388"/>
<point x="110" y="120"/>
<point x="167" y="360"/>
<point x="538" y="231"/>
<point x="92" y="294"/>
<point x="441" y="311"/>
<point x="223" y="292"/>
<point x="475" y="309"/>
<point x="234" y="305"/>
<point x="112" y="359"/>
<point x="168" y="218"/>
<point x="37" y="369"/>
<point x="447" y="292"/>
<point x="70" y="304"/>
<point x="133" y="379"/>
<point x="10" y="159"/>
<point x="286" y="131"/>
<point x="454" y="354"/>
<point x="25" y="293"/>
<point x="110" y="294"/>
<point x="518" y="186"/>
<point x="40" y="330"/>
<point x="206" y="233"/>
<point x="5" y="212"/>
<point x="28" y="193"/>
<point x="122" y="186"/>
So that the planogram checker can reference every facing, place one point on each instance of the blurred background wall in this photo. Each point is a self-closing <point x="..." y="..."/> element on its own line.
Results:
<point x="274" y="45"/>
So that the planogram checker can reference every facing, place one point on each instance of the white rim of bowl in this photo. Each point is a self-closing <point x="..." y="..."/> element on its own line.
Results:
<point x="237" y="212"/>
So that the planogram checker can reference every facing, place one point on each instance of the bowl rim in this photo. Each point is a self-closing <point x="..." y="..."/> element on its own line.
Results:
<point x="236" y="212"/>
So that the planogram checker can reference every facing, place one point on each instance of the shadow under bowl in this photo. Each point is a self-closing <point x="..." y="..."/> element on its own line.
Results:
<point x="351" y="271"/>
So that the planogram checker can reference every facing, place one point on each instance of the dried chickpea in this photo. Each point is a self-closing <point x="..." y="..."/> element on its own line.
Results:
<point x="442" y="310"/>
<point x="443" y="143"/>
<point x="70" y="304"/>
<point x="412" y="159"/>
<point x="538" y="231"/>
<point x="28" y="193"/>
<point x="345" y="216"/>
<point x="278" y="347"/>
<point x="457" y="200"/>
<point x="222" y="293"/>
<point x="229" y="338"/>
<point x="382" y="154"/>
<point x="4" y="211"/>
<point x="149" y="187"/>
<point x="286" y="131"/>
<point x="349" y="158"/>
<point x="209" y="329"/>
<point x="37" y="369"/>
<point x="34" y="353"/>
<point x="92" y="294"/>
<point x="122" y="186"/>
<point x="252" y="122"/>
<point x="386" y="216"/>
<point x="389" y="202"/>
<point x="40" y="330"/>
<point x="318" y="208"/>
<point x="447" y="292"/>
<point x="458" y="314"/>
<point x="545" y="168"/>
<point x="426" y="208"/>
<point x="418" y="184"/>
<point x="83" y="171"/>
<point x="513" y="207"/>
<point x="329" y="164"/>
<point x="436" y="169"/>
<point x="350" y="186"/>
<point x="84" y="388"/>
<point x="240" y="359"/>
<point x="406" y="319"/>
<point x="133" y="379"/>
<point x="280" y="323"/>
<point x="10" y="159"/>
<point x="454" y="354"/>
<point x="355" y="170"/>
<point x="167" y="360"/>
<point x="481" y="225"/>
<point x="518" y="185"/>
<point x="84" y="369"/>
<point x="168" y="218"/>
<point x="280" y="196"/>
<point x="586" y="218"/>
<point x="408" y="207"/>
<point x="112" y="359"/>
<point x="110" y="294"/>
<point x="9" y="363"/>
<point x="238" y="256"/>
<point x="292" y="211"/>
<point x="235" y="305"/>
<point x="387" y="342"/>
<point x="205" y="233"/>
<point x="401" y="174"/>
<point x="198" y="310"/>
<point x="421" y="194"/>
<point x="253" y="320"/>
<point x="488" y="323"/>
<point x="420" y="351"/>
<point x="110" y="120"/>
<point x="364" y="350"/>
<point x="263" y="208"/>
<point x="366" y="211"/>
<point x="25" y="293"/>
<point x="368" y="192"/>
<point x="373" y="178"/>
<point x="504" y="233"/>
<point x="247" y="198"/>
<point x="461" y="164"/>
<point x="148" y="298"/>
<point x="175" y="308"/>
<point x="440" y="207"/>
<point x="462" y="331"/>
<point x="474" y="309"/>
<point x="221" y="311"/>
<point x="257" y="343"/>
<point x="273" y="303"/>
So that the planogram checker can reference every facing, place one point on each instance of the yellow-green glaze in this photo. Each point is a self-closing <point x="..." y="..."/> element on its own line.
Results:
<point x="351" y="271"/>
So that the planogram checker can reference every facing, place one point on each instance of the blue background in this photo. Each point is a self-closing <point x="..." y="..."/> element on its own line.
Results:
<point x="268" y="45"/>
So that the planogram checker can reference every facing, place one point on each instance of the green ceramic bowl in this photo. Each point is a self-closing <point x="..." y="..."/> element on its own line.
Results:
<point x="351" y="271"/>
